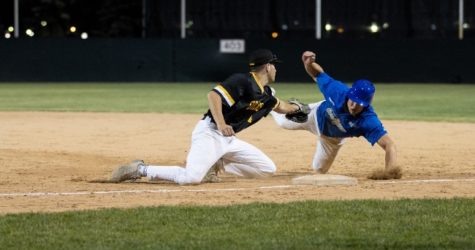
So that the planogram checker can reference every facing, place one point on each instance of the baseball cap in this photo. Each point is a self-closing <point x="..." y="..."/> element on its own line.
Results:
<point x="362" y="92"/>
<point x="262" y="56"/>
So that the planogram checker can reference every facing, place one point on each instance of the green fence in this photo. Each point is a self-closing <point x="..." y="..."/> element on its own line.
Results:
<point x="161" y="60"/>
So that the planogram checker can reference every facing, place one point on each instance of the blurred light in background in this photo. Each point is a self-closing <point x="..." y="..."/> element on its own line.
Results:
<point x="84" y="35"/>
<point x="374" y="28"/>
<point x="205" y="19"/>
<point x="275" y="34"/>
<point x="7" y="35"/>
<point x="29" y="32"/>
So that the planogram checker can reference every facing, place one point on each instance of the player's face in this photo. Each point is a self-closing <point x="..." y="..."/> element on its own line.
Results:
<point x="271" y="72"/>
<point x="354" y="108"/>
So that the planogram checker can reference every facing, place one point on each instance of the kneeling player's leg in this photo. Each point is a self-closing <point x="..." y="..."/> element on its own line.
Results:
<point x="327" y="149"/>
<point x="246" y="160"/>
<point x="206" y="148"/>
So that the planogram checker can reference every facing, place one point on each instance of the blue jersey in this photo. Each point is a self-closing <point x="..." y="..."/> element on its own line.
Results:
<point x="335" y="121"/>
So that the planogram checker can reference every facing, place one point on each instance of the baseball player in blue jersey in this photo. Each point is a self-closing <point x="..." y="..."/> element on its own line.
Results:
<point x="234" y="104"/>
<point x="345" y="112"/>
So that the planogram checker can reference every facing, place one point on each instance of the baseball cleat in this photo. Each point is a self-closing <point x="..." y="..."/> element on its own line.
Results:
<point x="127" y="172"/>
<point x="212" y="175"/>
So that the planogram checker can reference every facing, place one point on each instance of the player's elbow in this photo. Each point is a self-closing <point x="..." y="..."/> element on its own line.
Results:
<point x="211" y="95"/>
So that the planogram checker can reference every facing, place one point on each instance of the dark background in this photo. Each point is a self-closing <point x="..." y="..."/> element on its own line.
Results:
<point x="140" y="40"/>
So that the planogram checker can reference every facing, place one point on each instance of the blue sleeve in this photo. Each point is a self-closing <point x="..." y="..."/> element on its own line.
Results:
<point x="374" y="130"/>
<point x="330" y="87"/>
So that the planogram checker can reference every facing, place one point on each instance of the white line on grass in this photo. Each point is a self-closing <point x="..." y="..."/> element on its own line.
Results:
<point x="27" y="194"/>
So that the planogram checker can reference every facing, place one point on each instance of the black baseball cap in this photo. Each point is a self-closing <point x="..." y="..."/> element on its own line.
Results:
<point x="262" y="56"/>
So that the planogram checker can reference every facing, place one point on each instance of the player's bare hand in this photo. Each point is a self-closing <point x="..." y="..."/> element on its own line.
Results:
<point x="226" y="130"/>
<point x="308" y="57"/>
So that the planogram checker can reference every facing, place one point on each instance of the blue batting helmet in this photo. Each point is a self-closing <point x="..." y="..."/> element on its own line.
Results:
<point x="362" y="92"/>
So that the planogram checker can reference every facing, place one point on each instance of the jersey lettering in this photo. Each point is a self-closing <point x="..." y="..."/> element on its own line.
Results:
<point x="255" y="106"/>
<point x="335" y="120"/>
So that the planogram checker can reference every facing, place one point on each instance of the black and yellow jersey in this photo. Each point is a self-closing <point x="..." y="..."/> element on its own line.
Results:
<point x="245" y="100"/>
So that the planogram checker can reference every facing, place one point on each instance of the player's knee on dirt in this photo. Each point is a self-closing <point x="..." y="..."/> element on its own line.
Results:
<point x="189" y="178"/>
<point x="269" y="170"/>
<point x="255" y="170"/>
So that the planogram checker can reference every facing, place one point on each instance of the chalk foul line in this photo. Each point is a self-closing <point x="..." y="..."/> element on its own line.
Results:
<point x="424" y="181"/>
<point x="139" y="191"/>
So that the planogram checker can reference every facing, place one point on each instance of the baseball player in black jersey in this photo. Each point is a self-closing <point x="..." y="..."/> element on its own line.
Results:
<point x="234" y="104"/>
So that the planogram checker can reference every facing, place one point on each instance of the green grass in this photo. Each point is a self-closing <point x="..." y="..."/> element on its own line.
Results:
<point x="100" y="97"/>
<point x="427" y="102"/>
<point x="369" y="224"/>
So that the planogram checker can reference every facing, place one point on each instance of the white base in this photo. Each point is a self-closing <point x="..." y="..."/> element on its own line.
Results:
<point x="324" y="180"/>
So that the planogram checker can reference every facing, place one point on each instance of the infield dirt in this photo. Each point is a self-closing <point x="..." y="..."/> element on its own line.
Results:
<point x="47" y="160"/>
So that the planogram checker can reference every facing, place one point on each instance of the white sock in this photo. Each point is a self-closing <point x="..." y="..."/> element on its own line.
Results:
<point x="164" y="173"/>
<point x="143" y="170"/>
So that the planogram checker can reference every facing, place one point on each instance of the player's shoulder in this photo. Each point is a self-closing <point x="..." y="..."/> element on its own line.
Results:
<point x="370" y="117"/>
<point x="368" y="113"/>
<point x="238" y="78"/>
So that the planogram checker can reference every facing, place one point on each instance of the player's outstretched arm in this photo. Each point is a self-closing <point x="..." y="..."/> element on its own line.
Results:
<point x="313" y="69"/>
<point x="289" y="108"/>
<point x="215" y="106"/>
<point x="391" y="171"/>
<point x="389" y="146"/>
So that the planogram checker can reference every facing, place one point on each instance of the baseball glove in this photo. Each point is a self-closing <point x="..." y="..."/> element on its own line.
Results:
<point x="301" y="115"/>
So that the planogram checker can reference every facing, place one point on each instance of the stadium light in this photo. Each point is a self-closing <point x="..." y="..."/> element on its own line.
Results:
<point x="340" y="30"/>
<point x="72" y="29"/>
<point x="43" y="23"/>
<point x="29" y="32"/>
<point x="84" y="35"/>
<point x="11" y="29"/>
<point x="385" y="25"/>
<point x="374" y="28"/>
<point x="7" y="35"/>
<point x="275" y="34"/>
<point x="328" y="27"/>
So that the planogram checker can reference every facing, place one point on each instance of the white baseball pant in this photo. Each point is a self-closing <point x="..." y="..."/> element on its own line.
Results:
<point x="208" y="145"/>
<point x="327" y="147"/>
